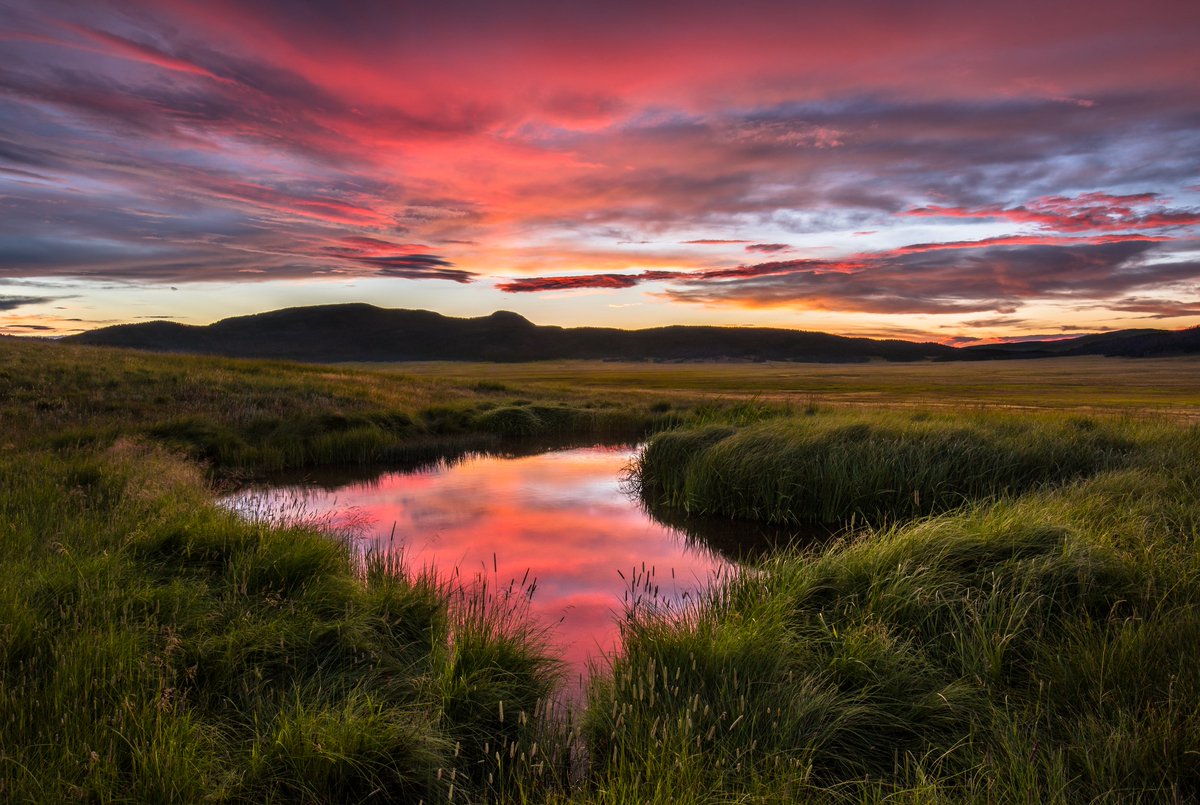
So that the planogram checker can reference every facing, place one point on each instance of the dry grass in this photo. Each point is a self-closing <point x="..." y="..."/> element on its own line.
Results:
<point x="1162" y="385"/>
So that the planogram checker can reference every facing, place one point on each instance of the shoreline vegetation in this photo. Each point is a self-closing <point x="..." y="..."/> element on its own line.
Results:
<point x="1010" y="615"/>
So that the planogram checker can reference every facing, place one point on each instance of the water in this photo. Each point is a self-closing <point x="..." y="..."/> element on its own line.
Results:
<point x="563" y="518"/>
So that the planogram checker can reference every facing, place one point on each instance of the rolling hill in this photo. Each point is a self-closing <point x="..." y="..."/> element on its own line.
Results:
<point x="1142" y="343"/>
<point x="362" y="332"/>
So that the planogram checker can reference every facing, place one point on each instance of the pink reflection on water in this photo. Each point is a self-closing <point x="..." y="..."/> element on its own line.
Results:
<point x="562" y="516"/>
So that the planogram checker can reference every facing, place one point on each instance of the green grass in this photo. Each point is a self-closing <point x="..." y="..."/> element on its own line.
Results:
<point x="258" y="416"/>
<point x="1013" y="618"/>
<point x="156" y="648"/>
<point x="835" y="467"/>
<point x="1031" y="649"/>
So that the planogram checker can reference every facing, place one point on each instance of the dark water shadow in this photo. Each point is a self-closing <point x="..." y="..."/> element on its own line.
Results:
<point x="744" y="541"/>
<point x="441" y="454"/>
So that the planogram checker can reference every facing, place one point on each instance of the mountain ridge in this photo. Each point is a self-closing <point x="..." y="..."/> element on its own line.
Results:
<point x="365" y="332"/>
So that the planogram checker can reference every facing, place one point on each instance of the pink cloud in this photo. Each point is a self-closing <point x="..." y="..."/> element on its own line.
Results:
<point x="995" y="274"/>
<point x="1086" y="212"/>
<point x="536" y="284"/>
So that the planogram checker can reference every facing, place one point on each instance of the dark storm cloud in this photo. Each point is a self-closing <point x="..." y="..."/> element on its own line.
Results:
<point x="14" y="302"/>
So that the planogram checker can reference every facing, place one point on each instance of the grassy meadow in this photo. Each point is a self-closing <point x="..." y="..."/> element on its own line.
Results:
<point x="1011" y="612"/>
<point x="1015" y="620"/>
<point x="1165" y="385"/>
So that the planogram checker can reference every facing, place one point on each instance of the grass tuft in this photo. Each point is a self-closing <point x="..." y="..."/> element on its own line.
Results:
<point x="879" y="468"/>
<point x="1016" y="622"/>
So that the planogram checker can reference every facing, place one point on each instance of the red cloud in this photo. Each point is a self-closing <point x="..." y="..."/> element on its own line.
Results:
<point x="321" y="208"/>
<point x="534" y="284"/>
<point x="111" y="44"/>
<point x="1025" y="240"/>
<point x="1158" y="308"/>
<point x="363" y="246"/>
<point x="996" y="274"/>
<point x="1086" y="212"/>
<point x="852" y="264"/>
<point x="989" y="278"/>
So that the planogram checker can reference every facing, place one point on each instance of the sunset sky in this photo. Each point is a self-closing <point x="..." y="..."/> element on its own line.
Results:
<point x="923" y="170"/>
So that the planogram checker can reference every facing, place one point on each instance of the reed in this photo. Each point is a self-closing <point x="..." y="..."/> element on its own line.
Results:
<point x="834" y="466"/>
<point x="156" y="648"/>
<point x="1022" y="648"/>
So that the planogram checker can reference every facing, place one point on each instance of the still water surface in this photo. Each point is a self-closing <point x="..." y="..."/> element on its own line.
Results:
<point x="563" y="516"/>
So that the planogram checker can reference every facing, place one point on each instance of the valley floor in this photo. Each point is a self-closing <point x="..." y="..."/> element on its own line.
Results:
<point x="1010" y="614"/>
<point x="1163" y="385"/>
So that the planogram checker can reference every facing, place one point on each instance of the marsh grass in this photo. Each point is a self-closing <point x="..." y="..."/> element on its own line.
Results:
<point x="837" y="466"/>
<point x="1037" y="648"/>
<point x="156" y="648"/>
<point x="241" y="416"/>
<point x="1012" y="618"/>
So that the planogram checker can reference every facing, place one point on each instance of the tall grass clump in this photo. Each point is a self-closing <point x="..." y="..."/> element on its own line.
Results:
<point x="833" y="467"/>
<point x="496" y="685"/>
<point x="1038" y="649"/>
<point x="155" y="648"/>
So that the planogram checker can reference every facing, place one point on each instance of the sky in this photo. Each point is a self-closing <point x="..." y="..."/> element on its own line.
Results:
<point x="924" y="170"/>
